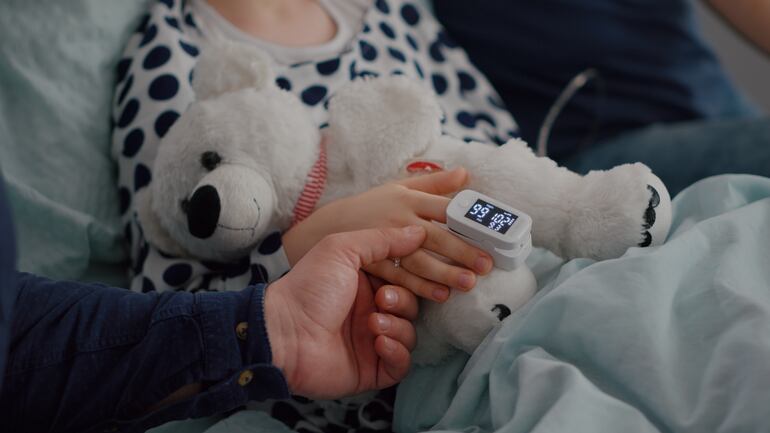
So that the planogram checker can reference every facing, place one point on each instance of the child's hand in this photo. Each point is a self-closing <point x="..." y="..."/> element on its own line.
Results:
<point x="413" y="201"/>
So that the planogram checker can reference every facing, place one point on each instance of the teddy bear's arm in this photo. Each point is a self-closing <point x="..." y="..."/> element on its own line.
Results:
<point x="598" y="215"/>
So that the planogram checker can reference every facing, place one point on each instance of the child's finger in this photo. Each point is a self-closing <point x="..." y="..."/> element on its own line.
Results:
<point x="446" y="244"/>
<point x="387" y="270"/>
<point x="425" y="265"/>
<point x="443" y="182"/>
<point x="429" y="206"/>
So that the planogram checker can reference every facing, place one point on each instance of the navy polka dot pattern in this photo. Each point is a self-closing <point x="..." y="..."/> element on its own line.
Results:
<point x="328" y="67"/>
<point x="382" y="5"/>
<point x="283" y="83"/>
<point x="435" y="52"/>
<point x="157" y="57"/>
<point x="129" y="113"/>
<point x="270" y="244"/>
<point x="412" y="42"/>
<point x="467" y="82"/>
<point x="466" y="119"/>
<point x="147" y="285"/>
<point x="418" y="69"/>
<point x="149" y="35"/>
<point x="143" y="23"/>
<point x="177" y="274"/>
<point x="396" y="54"/>
<point x="387" y="30"/>
<point x="153" y="86"/>
<point x="259" y="274"/>
<point x="141" y="176"/>
<point x="190" y="21"/>
<point x="173" y="22"/>
<point x="189" y="48"/>
<point x="163" y="88"/>
<point x="410" y="14"/>
<point x="133" y="142"/>
<point x="313" y="95"/>
<point x="124" y="198"/>
<point x="439" y="83"/>
<point x="164" y="122"/>
<point x="126" y="89"/>
<point x="122" y="69"/>
<point x="486" y="118"/>
<point x="368" y="52"/>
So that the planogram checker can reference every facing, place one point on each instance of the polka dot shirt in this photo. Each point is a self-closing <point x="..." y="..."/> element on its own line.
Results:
<point x="154" y="87"/>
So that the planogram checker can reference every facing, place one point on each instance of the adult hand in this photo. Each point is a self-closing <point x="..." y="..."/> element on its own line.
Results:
<point x="413" y="201"/>
<point x="330" y="333"/>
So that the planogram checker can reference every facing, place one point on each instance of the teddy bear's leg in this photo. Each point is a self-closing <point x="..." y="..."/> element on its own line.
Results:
<point x="599" y="215"/>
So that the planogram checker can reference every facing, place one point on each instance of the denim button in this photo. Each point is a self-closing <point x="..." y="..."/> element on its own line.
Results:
<point x="241" y="330"/>
<point x="245" y="378"/>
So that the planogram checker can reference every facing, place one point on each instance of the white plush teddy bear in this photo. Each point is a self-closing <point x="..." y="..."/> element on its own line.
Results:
<point x="246" y="155"/>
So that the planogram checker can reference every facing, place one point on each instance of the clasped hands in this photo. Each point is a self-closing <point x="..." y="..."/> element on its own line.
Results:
<point x="337" y="331"/>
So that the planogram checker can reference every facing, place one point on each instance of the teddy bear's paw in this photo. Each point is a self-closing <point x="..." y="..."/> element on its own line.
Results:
<point x="627" y="206"/>
<point x="650" y="217"/>
<point x="657" y="215"/>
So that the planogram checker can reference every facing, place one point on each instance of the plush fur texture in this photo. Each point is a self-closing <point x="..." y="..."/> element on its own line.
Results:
<point x="237" y="160"/>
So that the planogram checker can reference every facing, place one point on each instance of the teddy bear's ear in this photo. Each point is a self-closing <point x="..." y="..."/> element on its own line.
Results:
<point x="227" y="66"/>
<point x="153" y="231"/>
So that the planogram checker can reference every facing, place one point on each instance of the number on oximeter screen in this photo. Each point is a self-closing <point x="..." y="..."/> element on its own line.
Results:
<point x="491" y="216"/>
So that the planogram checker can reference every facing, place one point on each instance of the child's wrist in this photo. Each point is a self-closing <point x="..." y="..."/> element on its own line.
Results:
<point x="299" y="239"/>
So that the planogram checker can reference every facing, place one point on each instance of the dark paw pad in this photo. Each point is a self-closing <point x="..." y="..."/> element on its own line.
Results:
<point x="647" y="240"/>
<point x="649" y="216"/>
<point x="654" y="197"/>
<point x="502" y="311"/>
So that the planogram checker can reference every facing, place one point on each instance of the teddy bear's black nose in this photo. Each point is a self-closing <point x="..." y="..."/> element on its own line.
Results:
<point x="203" y="212"/>
<point x="502" y="311"/>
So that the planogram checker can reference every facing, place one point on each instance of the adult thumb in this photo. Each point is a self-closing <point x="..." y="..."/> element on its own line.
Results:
<point x="364" y="247"/>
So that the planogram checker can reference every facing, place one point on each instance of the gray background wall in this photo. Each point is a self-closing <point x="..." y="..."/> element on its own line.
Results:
<point x="749" y="67"/>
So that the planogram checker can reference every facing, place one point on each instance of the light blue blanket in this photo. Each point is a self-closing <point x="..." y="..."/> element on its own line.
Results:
<point x="668" y="339"/>
<point x="674" y="338"/>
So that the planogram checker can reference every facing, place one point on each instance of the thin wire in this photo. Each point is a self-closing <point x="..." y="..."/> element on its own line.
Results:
<point x="577" y="83"/>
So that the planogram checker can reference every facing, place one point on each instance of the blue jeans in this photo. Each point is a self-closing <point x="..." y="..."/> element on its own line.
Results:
<point x="682" y="153"/>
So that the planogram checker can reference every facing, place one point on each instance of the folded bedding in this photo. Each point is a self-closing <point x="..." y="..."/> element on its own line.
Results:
<point x="672" y="338"/>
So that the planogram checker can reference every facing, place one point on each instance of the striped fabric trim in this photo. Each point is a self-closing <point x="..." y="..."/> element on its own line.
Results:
<point x="314" y="187"/>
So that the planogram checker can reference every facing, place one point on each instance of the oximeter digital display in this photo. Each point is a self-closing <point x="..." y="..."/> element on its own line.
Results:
<point x="491" y="216"/>
<point x="495" y="227"/>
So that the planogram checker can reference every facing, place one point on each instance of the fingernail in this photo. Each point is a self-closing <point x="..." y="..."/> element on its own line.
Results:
<point x="391" y="298"/>
<point x="383" y="322"/>
<point x="440" y="294"/>
<point x="412" y="230"/>
<point x="483" y="265"/>
<point x="466" y="280"/>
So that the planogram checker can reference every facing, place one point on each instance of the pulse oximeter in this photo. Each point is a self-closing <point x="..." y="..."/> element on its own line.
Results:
<point x="500" y="230"/>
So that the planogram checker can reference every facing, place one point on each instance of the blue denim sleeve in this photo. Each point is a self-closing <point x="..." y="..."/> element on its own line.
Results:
<point x="86" y="357"/>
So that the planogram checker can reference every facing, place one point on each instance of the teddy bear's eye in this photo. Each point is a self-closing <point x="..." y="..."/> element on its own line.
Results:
<point x="210" y="160"/>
